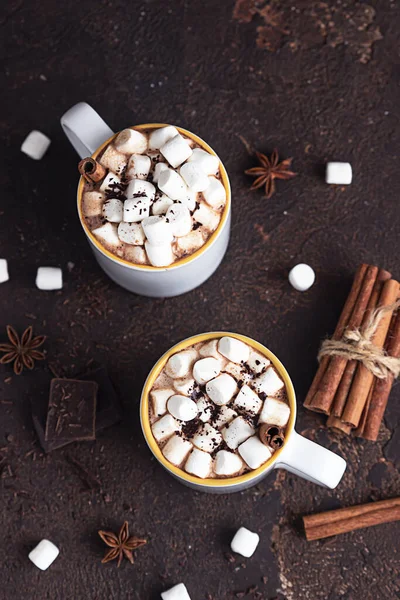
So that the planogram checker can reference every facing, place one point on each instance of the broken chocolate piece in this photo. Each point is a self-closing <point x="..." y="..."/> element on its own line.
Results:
<point x="109" y="410"/>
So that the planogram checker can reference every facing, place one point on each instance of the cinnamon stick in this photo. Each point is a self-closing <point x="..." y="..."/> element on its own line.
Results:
<point x="333" y="522"/>
<point x="91" y="170"/>
<point x="359" y="431"/>
<point x="337" y="424"/>
<point x="363" y="378"/>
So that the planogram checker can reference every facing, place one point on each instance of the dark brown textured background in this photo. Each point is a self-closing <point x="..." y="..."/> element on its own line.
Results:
<point x="319" y="81"/>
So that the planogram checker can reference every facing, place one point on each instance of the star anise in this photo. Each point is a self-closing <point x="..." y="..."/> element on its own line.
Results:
<point x="23" y="352"/>
<point x="121" y="545"/>
<point x="269" y="170"/>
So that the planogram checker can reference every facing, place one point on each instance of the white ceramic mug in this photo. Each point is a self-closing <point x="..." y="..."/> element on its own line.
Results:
<point x="298" y="454"/>
<point x="89" y="134"/>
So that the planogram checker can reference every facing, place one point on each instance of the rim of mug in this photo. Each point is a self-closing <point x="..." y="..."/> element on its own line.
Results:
<point x="145" y="408"/>
<point x="182" y="261"/>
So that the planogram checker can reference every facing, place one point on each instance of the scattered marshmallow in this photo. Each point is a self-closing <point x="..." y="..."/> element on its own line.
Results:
<point x="199" y="463"/>
<point x="227" y="463"/>
<point x="44" y="554"/>
<point x="207" y="438"/>
<point x="110" y="180"/>
<point x="206" y="216"/>
<point x="135" y="254"/>
<point x="176" y="450"/>
<point x="113" y="160"/>
<point x="182" y="408"/>
<point x="210" y="349"/>
<point x="113" y="210"/>
<point x="237" y="432"/>
<point x="184" y="386"/>
<point x="49" y="278"/>
<point x="131" y="141"/>
<point x="208" y="162"/>
<point x="164" y="428"/>
<point x="233" y="349"/>
<point x="206" y="369"/>
<point x="205" y="409"/>
<point x="138" y="166"/>
<point x="339" y="173"/>
<point x="179" y="365"/>
<point x="221" y="389"/>
<point x="188" y="244"/>
<point x="160" y="255"/>
<point x="194" y="176"/>
<point x="269" y="382"/>
<point x="107" y="233"/>
<point x="257" y="362"/>
<point x="275" y="412"/>
<point x="225" y="415"/>
<point x="3" y="270"/>
<point x="248" y="400"/>
<point x="131" y="233"/>
<point x="302" y="277"/>
<point x="161" y="205"/>
<point x="172" y="184"/>
<point x="159" y="399"/>
<point x="180" y="220"/>
<point x="245" y="542"/>
<point x="176" y="151"/>
<point x="254" y="452"/>
<point x="136" y="209"/>
<point x="35" y="145"/>
<point x="178" y="592"/>
<point x="140" y="187"/>
<point x="92" y="204"/>
<point x="215" y="194"/>
<point x="158" y="169"/>
<point x="158" y="230"/>
<point x="162" y="135"/>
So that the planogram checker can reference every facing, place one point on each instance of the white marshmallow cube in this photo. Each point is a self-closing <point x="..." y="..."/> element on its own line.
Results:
<point x="49" y="278"/>
<point x="302" y="277"/>
<point x="226" y="463"/>
<point x="138" y="166"/>
<point x="158" y="169"/>
<point x="92" y="204"/>
<point x="136" y="209"/>
<point x="233" y="349"/>
<point x="182" y="408"/>
<point x="113" y="160"/>
<point x="206" y="216"/>
<point x="131" y="141"/>
<point x="254" y="452"/>
<point x="189" y="199"/>
<point x="225" y="415"/>
<point x="159" y="137"/>
<point x="176" y="450"/>
<point x="208" y="162"/>
<point x="178" y="592"/>
<point x="221" y="389"/>
<point x="159" y="399"/>
<point x="238" y="372"/>
<point x="109" y="181"/>
<point x="257" y="362"/>
<point x="135" y="254"/>
<point x="176" y="151"/>
<point x="180" y="219"/>
<point x="248" y="401"/>
<point x="275" y="412"/>
<point x="210" y="349"/>
<point x="339" y="173"/>
<point x="113" y="210"/>
<point x="194" y="176"/>
<point x="237" y="432"/>
<point x="180" y="364"/>
<point x="131" y="233"/>
<point x="157" y="230"/>
<point x="184" y="386"/>
<point x="172" y="184"/>
<point x="205" y="409"/>
<point x="215" y="194"/>
<point x="160" y="255"/>
<point x="187" y="244"/>
<point x="35" y="145"/>
<point x="44" y="554"/>
<point x="206" y="369"/>
<point x="107" y="233"/>
<point x="164" y="428"/>
<point x="207" y="438"/>
<point x="3" y="270"/>
<point x="268" y="382"/>
<point x="161" y="205"/>
<point x="245" y="542"/>
<point x="140" y="188"/>
<point x="199" y="463"/>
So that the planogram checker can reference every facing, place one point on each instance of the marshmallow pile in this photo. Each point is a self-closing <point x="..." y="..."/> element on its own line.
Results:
<point x="168" y="200"/>
<point x="207" y="405"/>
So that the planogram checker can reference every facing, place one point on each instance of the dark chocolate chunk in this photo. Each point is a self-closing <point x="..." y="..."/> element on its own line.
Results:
<point x="109" y="411"/>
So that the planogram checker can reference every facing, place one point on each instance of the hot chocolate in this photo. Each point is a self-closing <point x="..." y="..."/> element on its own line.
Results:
<point x="219" y="409"/>
<point x="152" y="196"/>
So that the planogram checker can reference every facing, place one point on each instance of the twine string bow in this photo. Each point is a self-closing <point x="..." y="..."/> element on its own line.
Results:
<point x="357" y="345"/>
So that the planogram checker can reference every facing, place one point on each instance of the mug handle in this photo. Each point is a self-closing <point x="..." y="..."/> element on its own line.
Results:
<point x="85" y="129"/>
<point x="311" y="461"/>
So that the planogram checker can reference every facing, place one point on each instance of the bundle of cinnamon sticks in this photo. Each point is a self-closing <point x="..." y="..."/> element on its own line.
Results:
<point x="345" y="390"/>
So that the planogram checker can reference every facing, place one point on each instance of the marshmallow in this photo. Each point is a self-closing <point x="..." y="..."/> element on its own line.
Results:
<point x="257" y="362"/>
<point x="176" y="151"/>
<point x="131" y="141"/>
<point x="245" y="542"/>
<point x="221" y="389"/>
<point x="157" y="230"/>
<point x="136" y="209"/>
<point x="205" y="409"/>
<point x="206" y="217"/>
<point x="179" y="218"/>
<point x="194" y="176"/>
<point x="237" y="432"/>
<point x="210" y="349"/>
<point x="136" y="255"/>
<point x="107" y="233"/>
<point x="179" y="365"/>
<point x="208" y="162"/>
<point x="207" y="438"/>
<point x="35" y="145"/>
<point x="187" y="244"/>
<point x="238" y="372"/>
<point x="233" y="349"/>
<point x="172" y="184"/>
<point x="268" y="383"/>
<point x="254" y="452"/>
<point x="184" y="386"/>
<point x="161" y="205"/>
<point x="3" y="270"/>
<point x="275" y="412"/>
<point x="182" y="408"/>
<point x="113" y="210"/>
<point x="113" y="160"/>
<point x="139" y="188"/>
<point x="248" y="401"/>
<point x="159" y="399"/>
<point x="178" y="592"/>
<point x="49" y="278"/>
<point x="109" y="181"/>
<point x="158" y="169"/>
<point x="224" y="416"/>
<point x="199" y="463"/>
<point x="227" y="463"/>
<point x="131" y="233"/>
<point x="339" y="173"/>
<point x="159" y="137"/>
<point x="92" y="204"/>
<point x="44" y="554"/>
<point x="302" y="277"/>
<point x="176" y="450"/>
<point x="206" y="369"/>
<point x="160" y="255"/>
<point x="138" y="166"/>
<point x="189" y="199"/>
<point x="215" y="194"/>
<point x="164" y="428"/>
